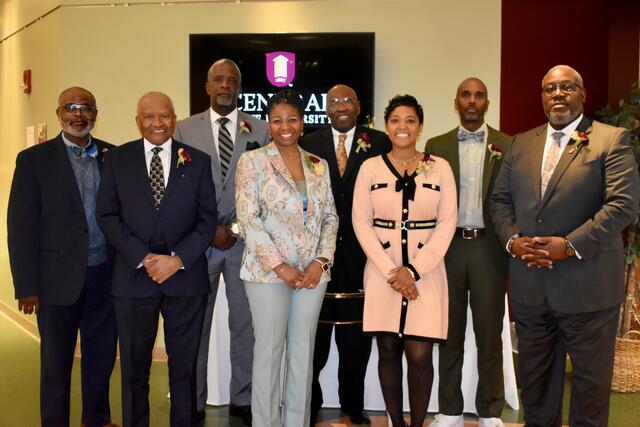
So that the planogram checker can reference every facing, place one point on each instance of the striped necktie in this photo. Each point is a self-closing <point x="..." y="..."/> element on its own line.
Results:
<point x="225" y="146"/>
<point x="550" y="162"/>
<point x="156" y="176"/>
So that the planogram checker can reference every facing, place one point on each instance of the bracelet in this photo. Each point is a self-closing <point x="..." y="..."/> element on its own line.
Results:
<point x="413" y="276"/>
<point x="510" y="245"/>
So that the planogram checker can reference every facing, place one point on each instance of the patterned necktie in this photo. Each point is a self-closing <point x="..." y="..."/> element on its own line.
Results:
<point x="341" y="153"/>
<point x="225" y="146"/>
<point x="463" y="135"/>
<point x="156" y="176"/>
<point x="550" y="162"/>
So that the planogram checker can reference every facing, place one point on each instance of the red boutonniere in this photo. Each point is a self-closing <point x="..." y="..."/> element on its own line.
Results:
<point x="315" y="164"/>
<point x="245" y="127"/>
<point x="581" y="139"/>
<point x="364" y="142"/>
<point x="495" y="150"/>
<point x="183" y="157"/>
<point x="425" y="164"/>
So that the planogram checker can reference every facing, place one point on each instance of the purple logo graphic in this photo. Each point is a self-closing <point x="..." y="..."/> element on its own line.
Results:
<point x="281" y="68"/>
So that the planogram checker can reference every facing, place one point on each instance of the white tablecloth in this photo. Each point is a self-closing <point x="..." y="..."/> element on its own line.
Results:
<point x="219" y="372"/>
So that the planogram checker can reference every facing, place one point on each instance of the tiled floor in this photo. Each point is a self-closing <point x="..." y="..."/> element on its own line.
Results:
<point x="19" y="397"/>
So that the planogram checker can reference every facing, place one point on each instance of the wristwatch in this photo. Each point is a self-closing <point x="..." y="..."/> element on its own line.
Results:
<point x="569" y="250"/>
<point x="326" y="265"/>
<point x="234" y="227"/>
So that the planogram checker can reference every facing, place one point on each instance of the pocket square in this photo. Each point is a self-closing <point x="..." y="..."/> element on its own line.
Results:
<point x="252" y="146"/>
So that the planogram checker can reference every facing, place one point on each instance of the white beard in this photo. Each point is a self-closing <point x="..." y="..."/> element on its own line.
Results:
<point x="78" y="133"/>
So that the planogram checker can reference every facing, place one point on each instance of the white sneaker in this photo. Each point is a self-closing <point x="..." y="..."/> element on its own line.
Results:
<point x="442" y="420"/>
<point x="490" y="422"/>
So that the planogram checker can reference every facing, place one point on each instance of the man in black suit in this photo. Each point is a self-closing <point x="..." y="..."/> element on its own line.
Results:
<point x="58" y="258"/>
<point x="160" y="234"/>
<point x="344" y="146"/>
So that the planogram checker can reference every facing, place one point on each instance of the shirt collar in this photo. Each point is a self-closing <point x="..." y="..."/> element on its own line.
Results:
<point x="166" y="146"/>
<point x="93" y="152"/>
<point x="484" y="128"/>
<point x="232" y="116"/>
<point x="567" y="130"/>
<point x="336" y="133"/>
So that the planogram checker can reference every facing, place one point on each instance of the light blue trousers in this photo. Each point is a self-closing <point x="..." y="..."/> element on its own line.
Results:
<point x="280" y="315"/>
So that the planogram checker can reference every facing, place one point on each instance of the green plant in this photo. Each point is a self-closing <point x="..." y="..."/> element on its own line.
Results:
<point x="627" y="115"/>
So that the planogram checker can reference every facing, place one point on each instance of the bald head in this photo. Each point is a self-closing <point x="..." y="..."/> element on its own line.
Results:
<point x="343" y="107"/>
<point x="156" y="118"/>
<point x="472" y="103"/>
<point x="563" y="95"/>
<point x="75" y="91"/>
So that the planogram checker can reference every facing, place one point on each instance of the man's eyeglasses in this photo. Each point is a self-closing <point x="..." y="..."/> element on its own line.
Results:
<point x="84" y="108"/>
<point x="565" y="87"/>
<point x="346" y="101"/>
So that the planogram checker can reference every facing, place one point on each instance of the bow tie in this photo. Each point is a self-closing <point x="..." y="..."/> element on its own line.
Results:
<point x="463" y="135"/>
<point x="407" y="183"/>
<point x="90" y="150"/>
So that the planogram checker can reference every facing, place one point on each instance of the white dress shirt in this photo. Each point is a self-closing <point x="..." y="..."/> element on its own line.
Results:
<point x="165" y="157"/>
<point x="471" y="155"/>
<point x="231" y="127"/>
<point x="348" y="142"/>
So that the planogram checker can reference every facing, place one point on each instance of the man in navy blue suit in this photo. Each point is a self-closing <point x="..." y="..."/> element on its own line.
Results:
<point x="157" y="207"/>
<point x="59" y="261"/>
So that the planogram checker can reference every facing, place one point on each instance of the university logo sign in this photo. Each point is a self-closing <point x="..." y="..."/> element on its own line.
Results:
<point x="281" y="68"/>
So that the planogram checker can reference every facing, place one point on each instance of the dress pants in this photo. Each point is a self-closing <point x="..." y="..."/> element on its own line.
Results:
<point x="545" y="337"/>
<point x="58" y="325"/>
<point x="227" y="263"/>
<point x="475" y="274"/>
<point x="354" y="349"/>
<point x="282" y="315"/>
<point x="138" y="327"/>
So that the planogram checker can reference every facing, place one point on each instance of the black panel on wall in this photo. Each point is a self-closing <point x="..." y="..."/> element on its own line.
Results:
<point x="321" y="61"/>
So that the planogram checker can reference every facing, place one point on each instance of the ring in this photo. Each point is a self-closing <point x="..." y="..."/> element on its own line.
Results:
<point x="298" y="283"/>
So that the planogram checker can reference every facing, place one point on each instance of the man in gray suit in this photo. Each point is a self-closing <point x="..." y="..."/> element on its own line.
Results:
<point x="224" y="133"/>
<point x="565" y="192"/>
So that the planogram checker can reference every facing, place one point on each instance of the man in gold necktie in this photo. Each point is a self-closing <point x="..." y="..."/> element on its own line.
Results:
<point x="344" y="145"/>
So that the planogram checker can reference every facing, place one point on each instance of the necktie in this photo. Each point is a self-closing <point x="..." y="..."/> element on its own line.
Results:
<point x="341" y="153"/>
<point x="225" y="146"/>
<point x="550" y="162"/>
<point x="463" y="135"/>
<point x="156" y="176"/>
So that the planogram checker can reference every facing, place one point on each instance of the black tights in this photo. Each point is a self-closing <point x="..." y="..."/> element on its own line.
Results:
<point x="419" y="377"/>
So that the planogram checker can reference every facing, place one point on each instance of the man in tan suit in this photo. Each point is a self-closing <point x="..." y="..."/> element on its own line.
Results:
<point x="565" y="192"/>
<point x="476" y="263"/>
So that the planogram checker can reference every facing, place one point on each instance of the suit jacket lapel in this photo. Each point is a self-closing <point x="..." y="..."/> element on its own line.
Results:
<point x="330" y="154"/>
<point x="537" y="151"/>
<point x="61" y="159"/>
<point x="207" y="133"/>
<point x="174" y="172"/>
<point x="278" y="164"/>
<point x="453" y="155"/>
<point x="568" y="154"/>
<point x="355" y="155"/>
<point x="139" y="168"/>
<point x="489" y="164"/>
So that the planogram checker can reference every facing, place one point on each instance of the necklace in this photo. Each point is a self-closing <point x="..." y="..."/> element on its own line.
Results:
<point x="404" y="162"/>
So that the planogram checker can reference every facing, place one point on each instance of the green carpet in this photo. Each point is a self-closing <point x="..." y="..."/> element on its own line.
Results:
<point x="19" y="391"/>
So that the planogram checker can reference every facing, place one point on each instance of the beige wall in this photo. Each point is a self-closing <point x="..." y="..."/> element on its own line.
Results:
<point x="423" y="47"/>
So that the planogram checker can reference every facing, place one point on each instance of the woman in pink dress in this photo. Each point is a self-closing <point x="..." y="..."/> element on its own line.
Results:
<point x="404" y="215"/>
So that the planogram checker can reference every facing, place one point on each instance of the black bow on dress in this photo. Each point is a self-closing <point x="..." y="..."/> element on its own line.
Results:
<point x="407" y="183"/>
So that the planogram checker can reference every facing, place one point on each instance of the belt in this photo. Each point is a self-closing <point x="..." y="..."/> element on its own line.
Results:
<point x="468" y="233"/>
<point x="404" y="225"/>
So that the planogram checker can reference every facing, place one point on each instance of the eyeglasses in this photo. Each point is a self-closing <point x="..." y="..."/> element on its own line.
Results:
<point x="346" y="101"/>
<point x="84" y="108"/>
<point x="565" y="87"/>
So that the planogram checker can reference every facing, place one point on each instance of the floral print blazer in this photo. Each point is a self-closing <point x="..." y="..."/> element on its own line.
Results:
<point x="269" y="211"/>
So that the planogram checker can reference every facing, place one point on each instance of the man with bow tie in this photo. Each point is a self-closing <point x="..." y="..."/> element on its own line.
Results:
<point x="564" y="195"/>
<point x="224" y="132"/>
<point x="476" y="263"/>
<point x="59" y="261"/>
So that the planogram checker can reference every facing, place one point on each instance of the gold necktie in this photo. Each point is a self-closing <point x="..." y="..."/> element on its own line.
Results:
<point x="341" y="153"/>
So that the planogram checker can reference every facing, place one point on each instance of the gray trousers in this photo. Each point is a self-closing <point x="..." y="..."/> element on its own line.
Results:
<point x="283" y="316"/>
<point x="227" y="263"/>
